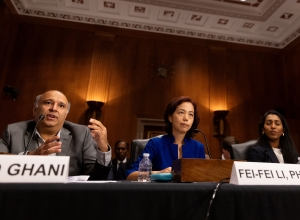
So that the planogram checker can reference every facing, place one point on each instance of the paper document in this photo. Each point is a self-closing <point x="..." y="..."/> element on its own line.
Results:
<point x="83" y="179"/>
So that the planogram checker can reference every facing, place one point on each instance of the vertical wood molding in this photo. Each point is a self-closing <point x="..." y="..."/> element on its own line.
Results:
<point x="217" y="88"/>
<point x="217" y="73"/>
<point x="7" y="42"/>
<point x="100" y="68"/>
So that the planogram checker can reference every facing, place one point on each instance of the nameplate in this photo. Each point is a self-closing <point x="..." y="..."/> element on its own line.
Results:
<point x="252" y="173"/>
<point x="31" y="169"/>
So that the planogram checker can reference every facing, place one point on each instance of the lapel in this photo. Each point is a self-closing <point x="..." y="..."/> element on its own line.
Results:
<point x="28" y="133"/>
<point x="270" y="153"/>
<point x="114" y="163"/>
<point x="26" y="137"/>
<point x="65" y="138"/>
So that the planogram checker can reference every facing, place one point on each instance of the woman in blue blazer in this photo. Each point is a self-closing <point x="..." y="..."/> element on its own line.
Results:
<point x="181" y="120"/>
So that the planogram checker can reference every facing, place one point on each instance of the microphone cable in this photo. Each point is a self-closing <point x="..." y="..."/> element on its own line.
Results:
<point x="225" y="180"/>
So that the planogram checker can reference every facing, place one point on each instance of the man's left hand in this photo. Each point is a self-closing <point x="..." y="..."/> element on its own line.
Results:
<point x="99" y="133"/>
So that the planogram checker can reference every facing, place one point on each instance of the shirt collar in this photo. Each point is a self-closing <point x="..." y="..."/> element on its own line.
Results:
<point x="39" y="135"/>
<point x="124" y="161"/>
<point x="171" y="138"/>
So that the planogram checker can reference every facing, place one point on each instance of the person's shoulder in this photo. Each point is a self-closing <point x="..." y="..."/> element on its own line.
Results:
<point x="22" y="124"/>
<point x="159" y="137"/>
<point x="157" y="140"/>
<point x="257" y="148"/>
<point x="256" y="153"/>
<point x="193" y="141"/>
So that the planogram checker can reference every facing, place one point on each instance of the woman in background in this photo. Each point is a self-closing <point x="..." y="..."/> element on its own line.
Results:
<point x="181" y="119"/>
<point x="275" y="144"/>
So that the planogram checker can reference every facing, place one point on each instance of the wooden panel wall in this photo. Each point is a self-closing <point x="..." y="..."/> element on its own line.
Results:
<point x="46" y="58"/>
<point x="291" y="76"/>
<point x="246" y="82"/>
<point x="7" y="40"/>
<point x="291" y="91"/>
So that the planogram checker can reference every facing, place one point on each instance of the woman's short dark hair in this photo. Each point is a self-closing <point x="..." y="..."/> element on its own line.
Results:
<point x="286" y="143"/>
<point x="171" y="107"/>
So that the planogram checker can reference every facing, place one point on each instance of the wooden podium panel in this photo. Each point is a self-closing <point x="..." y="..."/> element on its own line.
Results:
<point x="201" y="170"/>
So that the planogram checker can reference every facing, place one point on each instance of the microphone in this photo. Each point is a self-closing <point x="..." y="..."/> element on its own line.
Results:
<point x="207" y="148"/>
<point x="27" y="146"/>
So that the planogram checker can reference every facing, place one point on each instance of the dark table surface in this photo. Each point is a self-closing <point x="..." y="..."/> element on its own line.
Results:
<point x="133" y="200"/>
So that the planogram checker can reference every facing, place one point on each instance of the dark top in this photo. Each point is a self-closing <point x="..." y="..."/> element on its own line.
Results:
<point x="262" y="154"/>
<point x="120" y="174"/>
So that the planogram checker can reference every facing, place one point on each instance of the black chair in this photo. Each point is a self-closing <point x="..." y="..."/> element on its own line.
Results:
<point x="239" y="151"/>
<point x="137" y="147"/>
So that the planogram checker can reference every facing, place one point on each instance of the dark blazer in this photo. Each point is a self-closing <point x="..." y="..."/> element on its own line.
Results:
<point x="77" y="143"/>
<point x="262" y="154"/>
<point x="115" y="171"/>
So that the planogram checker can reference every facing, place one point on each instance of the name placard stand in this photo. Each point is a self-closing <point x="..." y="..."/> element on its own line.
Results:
<point x="33" y="169"/>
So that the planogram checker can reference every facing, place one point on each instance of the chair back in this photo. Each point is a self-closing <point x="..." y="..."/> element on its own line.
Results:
<point x="239" y="151"/>
<point x="137" y="147"/>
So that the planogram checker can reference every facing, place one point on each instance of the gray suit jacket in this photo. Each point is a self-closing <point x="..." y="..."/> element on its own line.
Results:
<point x="77" y="143"/>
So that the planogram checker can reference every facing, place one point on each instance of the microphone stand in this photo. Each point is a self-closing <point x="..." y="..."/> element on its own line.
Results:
<point x="27" y="146"/>
<point x="207" y="148"/>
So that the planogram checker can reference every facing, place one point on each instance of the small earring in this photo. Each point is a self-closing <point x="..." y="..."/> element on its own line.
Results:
<point x="282" y="134"/>
<point x="263" y="133"/>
